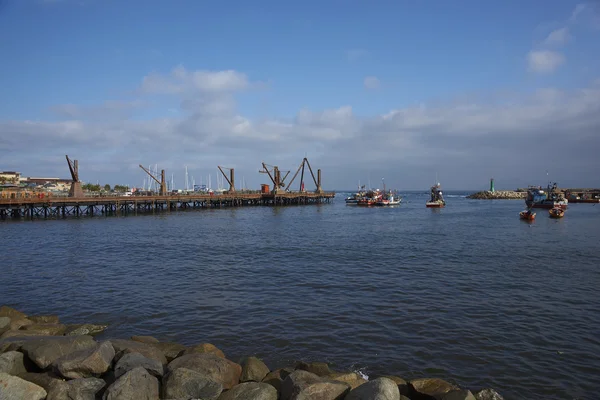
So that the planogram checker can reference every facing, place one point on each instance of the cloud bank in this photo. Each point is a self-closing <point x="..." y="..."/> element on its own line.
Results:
<point x="514" y="138"/>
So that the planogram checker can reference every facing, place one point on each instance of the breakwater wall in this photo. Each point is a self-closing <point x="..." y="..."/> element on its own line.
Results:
<point x="498" y="195"/>
<point x="42" y="358"/>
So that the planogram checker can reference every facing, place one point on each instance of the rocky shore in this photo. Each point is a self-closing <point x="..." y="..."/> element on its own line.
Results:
<point x="41" y="358"/>
<point x="498" y="195"/>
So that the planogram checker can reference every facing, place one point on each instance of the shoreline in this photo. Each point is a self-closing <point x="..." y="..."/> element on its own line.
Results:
<point x="42" y="358"/>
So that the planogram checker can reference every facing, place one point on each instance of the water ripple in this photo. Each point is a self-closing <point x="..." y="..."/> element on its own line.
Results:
<point x="468" y="293"/>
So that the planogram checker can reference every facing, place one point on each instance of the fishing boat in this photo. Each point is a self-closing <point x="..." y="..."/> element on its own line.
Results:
<point x="371" y="198"/>
<point x="436" y="200"/>
<point x="353" y="200"/>
<point x="585" y="197"/>
<point x="537" y="197"/>
<point x="556" y="212"/>
<point x="389" y="199"/>
<point x="527" y="215"/>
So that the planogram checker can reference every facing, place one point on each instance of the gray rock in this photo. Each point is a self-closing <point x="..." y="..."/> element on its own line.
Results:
<point x="377" y="389"/>
<point x="24" y="333"/>
<point x="254" y="370"/>
<point x="84" y="329"/>
<point x="86" y="363"/>
<point x="277" y="377"/>
<point x="133" y="360"/>
<point x="488" y="394"/>
<point x="4" y="324"/>
<point x="144" y="339"/>
<point x="44" y="351"/>
<point x="203" y="348"/>
<point x="77" y="389"/>
<point x="43" y="379"/>
<point x="460" y="394"/>
<point x="220" y="370"/>
<point x="430" y="388"/>
<point x="184" y="383"/>
<point x="317" y="368"/>
<point x="44" y="319"/>
<point x="19" y="323"/>
<point x="303" y="385"/>
<point x="351" y="378"/>
<point x="250" y="391"/>
<point x="123" y="347"/>
<point x="46" y="329"/>
<point x="12" y="363"/>
<point x="11" y="313"/>
<point x="171" y="350"/>
<point x="136" y="384"/>
<point x="15" y="388"/>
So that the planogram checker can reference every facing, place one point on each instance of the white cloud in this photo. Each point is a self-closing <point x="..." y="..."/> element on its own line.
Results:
<point x="579" y="8"/>
<point x="372" y="82"/>
<point x="469" y="140"/>
<point x="181" y="80"/>
<point x="544" y="61"/>
<point x="557" y="37"/>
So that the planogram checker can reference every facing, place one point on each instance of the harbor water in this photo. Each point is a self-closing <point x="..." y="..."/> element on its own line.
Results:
<point x="469" y="293"/>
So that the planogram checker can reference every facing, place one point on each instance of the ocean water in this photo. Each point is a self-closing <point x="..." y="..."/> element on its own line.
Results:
<point x="469" y="293"/>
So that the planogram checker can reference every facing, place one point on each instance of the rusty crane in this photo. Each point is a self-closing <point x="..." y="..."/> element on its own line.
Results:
<point x="162" y="182"/>
<point x="275" y="176"/>
<point x="231" y="179"/>
<point x="75" y="190"/>
<point x="317" y="181"/>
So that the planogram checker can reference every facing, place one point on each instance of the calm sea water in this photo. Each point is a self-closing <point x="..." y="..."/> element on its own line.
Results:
<point x="469" y="293"/>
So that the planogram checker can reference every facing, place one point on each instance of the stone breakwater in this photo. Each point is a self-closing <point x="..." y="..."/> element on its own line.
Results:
<point x="498" y="195"/>
<point x="40" y="358"/>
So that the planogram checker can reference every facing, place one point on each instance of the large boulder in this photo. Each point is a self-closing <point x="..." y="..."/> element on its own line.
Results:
<point x="429" y="388"/>
<point x="250" y="391"/>
<point x="4" y="324"/>
<point x="317" y="368"/>
<point x="12" y="363"/>
<point x="45" y="350"/>
<point x="460" y="394"/>
<point x="171" y="350"/>
<point x="351" y="378"/>
<point x="402" y="384"/>
<point x="86" y="363"/>
<point x="488" y="394"/>
<point x="144" y="339"/>
<point x="303" y="385"/>
<point x="76" y="389"/>
<point x="123" y="347"/>
<point x="277" y="377"/>
<point x="183" y="383"/>
<point x="13" y="388"/>
<point x="11" y="313"/>
<point x="203" y="348"/>
<point x="137" y="384"/>
<point x="46" y="329"/>
<point x="254" y="370"/>
<point x="133" y="360"/>
<point x="84" y="329"/>
<point x="19" y="323"/>
<point x="220" y="370"/>
<point x="23" y="333"/>
<point x="377" y="389"/>
<point x="44" y="319"/>
<point x="44" y="379"/>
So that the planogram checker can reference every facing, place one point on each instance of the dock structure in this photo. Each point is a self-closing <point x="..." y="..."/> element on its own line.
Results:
<point x="62" y="207"/>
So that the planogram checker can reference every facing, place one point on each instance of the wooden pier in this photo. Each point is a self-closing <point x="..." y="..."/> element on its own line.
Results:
<point x="62" y="207"/>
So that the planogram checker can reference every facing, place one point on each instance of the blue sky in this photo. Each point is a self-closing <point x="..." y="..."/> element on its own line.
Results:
<point x="399" y="89"/>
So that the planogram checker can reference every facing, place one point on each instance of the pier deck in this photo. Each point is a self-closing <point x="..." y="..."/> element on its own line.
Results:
<point x="61" y="207"/>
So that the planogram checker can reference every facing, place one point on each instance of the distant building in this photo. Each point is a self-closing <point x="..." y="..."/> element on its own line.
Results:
<point x="10" y="177"/>
<point x="48" y="183"/>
